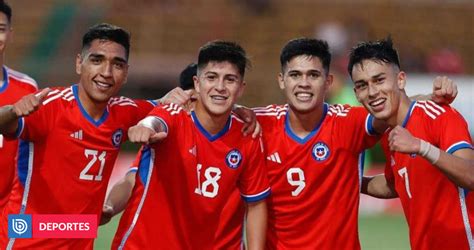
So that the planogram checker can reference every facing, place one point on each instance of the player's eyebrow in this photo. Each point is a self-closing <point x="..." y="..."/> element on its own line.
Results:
<point x="378" y="75"/>
<point x="100" y="56"/>
<point x="372" y="77"/>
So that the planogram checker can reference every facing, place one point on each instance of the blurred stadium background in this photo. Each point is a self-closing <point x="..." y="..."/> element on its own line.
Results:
<point x="434" y="37"/>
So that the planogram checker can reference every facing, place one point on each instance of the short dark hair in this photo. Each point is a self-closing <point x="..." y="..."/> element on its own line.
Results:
<point x="221" y="51"/>
<point x="7" y="10"/>
<point x="107" y="32"/>
<point x="186" y="77"/>
<point x="307" y="47"/>
<point x="381" y="50"/>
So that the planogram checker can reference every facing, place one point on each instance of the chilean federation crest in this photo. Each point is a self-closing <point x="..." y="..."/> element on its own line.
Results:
<point x="233" y="159"/>
<point x="117" y="137"/>
<point x="320" y="151"/>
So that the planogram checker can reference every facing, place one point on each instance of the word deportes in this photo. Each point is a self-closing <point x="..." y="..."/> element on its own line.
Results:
<point x="64" y="226"/>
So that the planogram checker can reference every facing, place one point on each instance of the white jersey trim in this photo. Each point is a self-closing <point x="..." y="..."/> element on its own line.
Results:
<point x="142" y="200"/>
<point x="465" y="217"/>
<point x="26" y="191"/>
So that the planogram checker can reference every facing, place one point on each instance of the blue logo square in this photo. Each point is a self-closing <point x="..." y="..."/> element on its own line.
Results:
<point x="19" y="226"/>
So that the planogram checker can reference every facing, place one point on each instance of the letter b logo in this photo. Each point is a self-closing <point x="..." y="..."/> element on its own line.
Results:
<point x="19" y="226"/>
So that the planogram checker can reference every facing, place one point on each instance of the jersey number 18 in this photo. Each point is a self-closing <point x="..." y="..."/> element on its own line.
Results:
<point x="209" y="187"/>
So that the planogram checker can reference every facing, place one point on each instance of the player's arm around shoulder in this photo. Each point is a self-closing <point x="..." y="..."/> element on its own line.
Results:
<point x="378" y="186"/>
<point x="10" y="114"/>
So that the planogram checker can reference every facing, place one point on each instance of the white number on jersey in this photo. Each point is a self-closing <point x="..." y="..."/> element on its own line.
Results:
<point x="212" y="175"/>
<point x="299" y="182"/>
<point x="92" y="154"/>
<point x="404" y="174"/>
<point x="1" y="141"/>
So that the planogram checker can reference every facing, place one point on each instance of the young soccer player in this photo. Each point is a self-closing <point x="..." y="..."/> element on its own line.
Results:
<point x="314" y="159"/>
<point x="120" y="193"/>
<point x="70" y="138"/>
<point x="430" y="158"/>
<point x="185" y="180"/>
<point x="13" y="86"/>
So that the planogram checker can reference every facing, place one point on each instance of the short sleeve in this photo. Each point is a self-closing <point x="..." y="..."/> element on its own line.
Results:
<point x="451" y="131"/>
<point x="355" y="126"/>
<point x="253" y="182"/>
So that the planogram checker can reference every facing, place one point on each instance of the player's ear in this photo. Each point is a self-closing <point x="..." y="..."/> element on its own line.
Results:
<point x="196" y="84"/>
<point x="329" y="80"/>
<point x="78" y="64"/>
<point x="281" y="83"/>
<point x="401" y="80"/>
<point x="241" y="89"/>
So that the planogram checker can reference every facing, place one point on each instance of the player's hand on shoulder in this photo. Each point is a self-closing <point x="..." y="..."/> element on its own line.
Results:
<point x="178" y="96"/>
<point x="144" y="135"/>
<point x="401" y="140"/>
<point x="444" y="90"/>
<point x="248" y="116"/>
<point x="30" y="103"/>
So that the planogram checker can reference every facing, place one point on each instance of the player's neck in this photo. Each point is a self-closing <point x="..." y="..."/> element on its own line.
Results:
<point x="304" y="123"/>
<point x="403" y="109"/>
<point x="211" y="123"/>
<point x="94" y="109"/>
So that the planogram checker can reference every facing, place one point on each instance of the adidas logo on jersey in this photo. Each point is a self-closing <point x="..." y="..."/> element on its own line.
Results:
<point x="77" y="135"/>
<point x="275" y="157"/>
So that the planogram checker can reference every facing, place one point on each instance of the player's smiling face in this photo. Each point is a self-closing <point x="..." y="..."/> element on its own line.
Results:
<point x="5" y="32"/>
<point x="305" y="83"/>
<point x="103" y="69"/>
<point x="378" y="86"/>
<point x="218" y="86"/>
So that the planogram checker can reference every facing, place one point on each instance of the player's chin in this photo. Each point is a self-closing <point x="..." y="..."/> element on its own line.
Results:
<point x="102" y="97"/>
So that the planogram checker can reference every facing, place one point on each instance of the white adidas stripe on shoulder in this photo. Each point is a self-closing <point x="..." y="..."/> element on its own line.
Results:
<point x="122" y="101"/>
<point x="172" y="108"/>
<point x="271" y="110"/>
<point x="430" y="108"/>
<point x="338" y="110"/>
<point x="65" y="94"/>
<point x="21" y="77"/>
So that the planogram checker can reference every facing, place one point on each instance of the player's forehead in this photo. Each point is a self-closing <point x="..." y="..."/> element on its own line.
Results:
<point x="304" y="63"/>
<point x="221" y="68"/>
<point x="107" y="48"/>
<point x="369" y="68"/>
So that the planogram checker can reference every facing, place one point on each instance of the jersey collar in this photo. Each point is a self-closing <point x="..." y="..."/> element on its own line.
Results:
<point x="303" y="140"/>
<point x="410" y="110"/>
<point x="84" y="112"/>
<point x="209" y="136"/>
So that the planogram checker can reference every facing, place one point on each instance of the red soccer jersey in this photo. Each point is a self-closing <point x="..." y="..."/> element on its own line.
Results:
<point x="184" y="182"/>
<point x="230" y="232"/>
<point x="315" y="180"/>
<point x="65" y="160"/>
<point x="15" y="85"/>
<point x="439" y="213"/>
